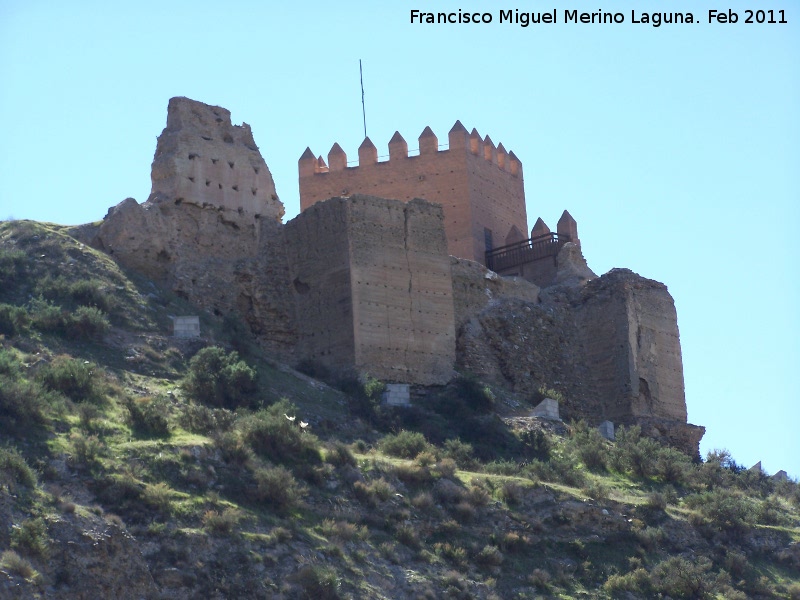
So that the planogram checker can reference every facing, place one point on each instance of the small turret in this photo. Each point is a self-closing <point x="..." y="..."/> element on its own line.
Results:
<point x="458" y="137"/>
<point x="428" y="142"/>
<point x="367" y="153"/>
<point x="398" y="147"/>
<point x="307" y="164"/>
<point x="568" y="226"/>
<point x="337" y="159"/>
<point x="539" y="228"/>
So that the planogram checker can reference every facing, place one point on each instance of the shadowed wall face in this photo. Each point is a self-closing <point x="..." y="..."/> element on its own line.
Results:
<point x="380" y="297"/>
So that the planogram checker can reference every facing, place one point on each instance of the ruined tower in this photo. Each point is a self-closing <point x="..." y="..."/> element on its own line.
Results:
<point x="479" y="185"/>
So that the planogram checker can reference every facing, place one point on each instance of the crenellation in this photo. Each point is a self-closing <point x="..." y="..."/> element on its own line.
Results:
<point x="337" y="159"/>
<point x="428" y="142"/>
<point x="363" y="283"/>
<point x="479" y="191"/>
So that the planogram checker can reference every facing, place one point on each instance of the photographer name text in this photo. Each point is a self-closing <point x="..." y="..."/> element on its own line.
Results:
<point x="600" y="17"/>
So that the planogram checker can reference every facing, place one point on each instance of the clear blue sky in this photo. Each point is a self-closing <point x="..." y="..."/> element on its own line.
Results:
<point x="677" y="148"/>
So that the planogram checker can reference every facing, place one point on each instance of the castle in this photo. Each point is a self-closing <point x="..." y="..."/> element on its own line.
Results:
<point x="384" y="270"/>
<point x="478" y="185"/>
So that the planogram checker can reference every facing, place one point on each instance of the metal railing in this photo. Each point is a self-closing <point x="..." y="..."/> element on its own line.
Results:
<point x="542" y="246"/>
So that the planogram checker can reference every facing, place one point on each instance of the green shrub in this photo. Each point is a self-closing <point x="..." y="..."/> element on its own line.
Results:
<point x="461" y="452"/>
<point x="374" y="492"/>
<point x="672" y="466"/>
<point x="158" y="496"/>
<point x="339" y="455"/>
<point x="681" y="578"/>
<point x="636" y="581"/>
<point x="455" y="554"/>
<point x="30" y="538"/>
<point x="633" y="453"/>
<point x="149" y="417"/>
<point x="589" y="446"/>
<point x="14" y="470"/>
<point x="46" y="317"/>
<point x="273" y="436"/>
<point x="219" y="378"/>
<point x="545" y="392"/>
<point x="597" y="490"/>
<point x="656" y="501"/>
<point x="412" y="474"/>
<point x="87" y="322"/>
<point x="12" y="266"/>
<point x="86" y="450"/>
<point x="277" y="487"/>
<point x="78" y="380"/>
<point x="17" y="565"/>
<point x="343" y="531"/>
<point x="406" y="444"/>
<point x="199" y="418"/>
<point x="24" y="403"/>
<point x="512" y="493"/>
<point x="317" y="582"/>
<point x="476" y="396"/>
<point x="73" y="294"/>
<point x="222" y="523"/>
<point x="535" y="444"/>
<point x="489" y="556"/>
<point x="724" y="510"/>
<point x="13" y="320"/>
<point x="365" y="394"/>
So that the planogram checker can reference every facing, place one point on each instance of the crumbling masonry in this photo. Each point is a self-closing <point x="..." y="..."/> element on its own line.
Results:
<point x="384" y="270"/>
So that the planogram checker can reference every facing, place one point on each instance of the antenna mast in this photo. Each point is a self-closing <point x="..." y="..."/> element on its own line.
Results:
<point x="363" y="107"/>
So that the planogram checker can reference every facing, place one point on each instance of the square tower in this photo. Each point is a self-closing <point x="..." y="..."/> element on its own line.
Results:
<point x="373" y="288"/>
<point x="478" y="185"/>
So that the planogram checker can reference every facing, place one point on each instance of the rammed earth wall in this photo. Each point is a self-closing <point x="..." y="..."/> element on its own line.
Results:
<point x="479" y="186"/>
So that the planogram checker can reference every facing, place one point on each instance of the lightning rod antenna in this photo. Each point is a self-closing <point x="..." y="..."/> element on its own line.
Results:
<point x="363" y="107"/>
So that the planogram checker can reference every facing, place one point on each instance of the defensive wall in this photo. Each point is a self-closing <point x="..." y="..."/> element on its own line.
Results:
<point x="203" y="159"/>
<point x="366" y="284"/>
<point x="479" y="185"/>
<point x="373" y="289"/>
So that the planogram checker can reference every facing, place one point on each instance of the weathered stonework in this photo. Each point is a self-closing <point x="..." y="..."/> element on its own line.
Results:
<point x="203" y="159"/>
<point x="610" y="344"/>
<point x="366" y="284"/>
<point x="479" y="185"/>
<point x="374" y="288"/>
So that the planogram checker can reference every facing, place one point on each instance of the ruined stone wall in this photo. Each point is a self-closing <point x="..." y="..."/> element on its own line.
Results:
<point x="379" y="292"/>
<point x="318" y="253"/>
<point x="402" y="291"/>
<point x="610" y="345"/>
<point x="630" y="332"/>
<point x="201" y="158"/>
<point x="478" y="186"/>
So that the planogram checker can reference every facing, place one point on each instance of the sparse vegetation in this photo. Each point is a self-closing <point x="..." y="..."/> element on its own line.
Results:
<point x="199" y="460"/>
<point x="220" y="378"/>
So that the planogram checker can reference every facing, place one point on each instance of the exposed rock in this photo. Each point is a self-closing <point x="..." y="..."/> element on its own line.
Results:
<point x="475" y="287"/>
<point x="611" y="346"/>
<point x="571" y="267"/>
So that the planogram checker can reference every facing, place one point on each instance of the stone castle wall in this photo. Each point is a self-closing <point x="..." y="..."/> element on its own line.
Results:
<point x="203" y="159"/>
<point x="366" y="284"/>
<point x="374" y="288"/>
<point x="629" y="328"/>
<point x="479" y="186"/>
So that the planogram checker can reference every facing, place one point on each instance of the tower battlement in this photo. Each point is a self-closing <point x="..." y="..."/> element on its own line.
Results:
<point x="479" y="185"/>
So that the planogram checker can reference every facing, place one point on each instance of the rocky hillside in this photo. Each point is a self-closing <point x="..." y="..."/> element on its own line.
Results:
<point x="137" y="465"/>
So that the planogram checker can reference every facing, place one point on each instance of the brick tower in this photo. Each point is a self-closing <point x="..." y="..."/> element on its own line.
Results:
<point x="479" y="185"/>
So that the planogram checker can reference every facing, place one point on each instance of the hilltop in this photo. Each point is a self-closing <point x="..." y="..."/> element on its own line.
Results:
<point x="138" y="465"/>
